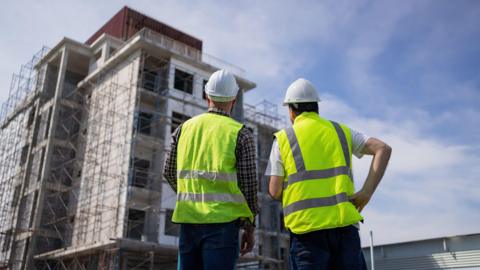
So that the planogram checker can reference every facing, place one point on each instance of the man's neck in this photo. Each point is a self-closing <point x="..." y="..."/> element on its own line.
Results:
<point x="218" y="110"/>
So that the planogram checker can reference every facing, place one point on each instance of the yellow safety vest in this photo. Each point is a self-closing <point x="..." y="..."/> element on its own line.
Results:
<point x="316" y="154"/>
<point x="207" y="187"/>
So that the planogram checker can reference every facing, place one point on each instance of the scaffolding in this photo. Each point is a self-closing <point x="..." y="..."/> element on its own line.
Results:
<point x="16" y="113"/>
<point x="264" y="113"/>
<point x="81" y="164"/>
<point x="103" y="195"/>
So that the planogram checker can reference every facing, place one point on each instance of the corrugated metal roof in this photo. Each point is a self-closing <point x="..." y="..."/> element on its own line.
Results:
<point x="448" y="260"/>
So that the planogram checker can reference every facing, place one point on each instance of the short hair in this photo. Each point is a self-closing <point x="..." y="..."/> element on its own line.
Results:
<point x="299" y="108"/>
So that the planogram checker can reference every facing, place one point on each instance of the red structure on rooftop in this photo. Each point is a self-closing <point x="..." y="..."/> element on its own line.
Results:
<point x="127" y="22"/>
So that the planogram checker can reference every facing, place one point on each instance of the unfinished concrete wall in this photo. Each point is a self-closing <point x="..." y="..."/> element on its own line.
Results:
<point x="102" y="197"/>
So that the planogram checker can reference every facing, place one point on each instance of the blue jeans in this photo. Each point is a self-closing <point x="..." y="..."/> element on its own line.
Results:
<point x="337" y="248"/>
<point x="208" y="246"/>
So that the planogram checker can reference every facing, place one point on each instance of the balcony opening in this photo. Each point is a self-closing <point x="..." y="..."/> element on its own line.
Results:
<point x="154" y="74"/>
<point x="204" y="95"/>
<point x="98" y="54"/>
<point x="151" y="80"/>
<point x="24" y="154"/>
<point x="177" y="119"/>
<point x="140" y="172"/>
<point x="111" y="51"/>
<point x="274" y="220"/>
<point x="144" y="123"/>
<point x="31" y="117"/>
<point x="283" y="254"/>
<point x="282" y="224"/>
<point x="171" y="228"/>
<point x="135" y="224"/>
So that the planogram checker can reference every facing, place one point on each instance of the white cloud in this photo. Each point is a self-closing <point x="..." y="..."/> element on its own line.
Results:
<point x="430" y="188"/>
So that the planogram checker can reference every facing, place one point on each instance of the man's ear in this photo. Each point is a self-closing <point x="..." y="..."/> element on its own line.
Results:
<point x="292" y="114"/>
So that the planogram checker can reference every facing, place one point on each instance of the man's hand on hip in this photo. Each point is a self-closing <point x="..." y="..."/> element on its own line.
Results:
<point x="360" y="199"/>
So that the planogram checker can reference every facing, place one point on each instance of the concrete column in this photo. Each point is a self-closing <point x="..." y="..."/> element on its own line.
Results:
<point x="237" y="112"/>
<point x="48" y="156"/>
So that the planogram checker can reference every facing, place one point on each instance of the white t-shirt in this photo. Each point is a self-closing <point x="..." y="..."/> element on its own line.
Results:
<point x="275" y="163"/>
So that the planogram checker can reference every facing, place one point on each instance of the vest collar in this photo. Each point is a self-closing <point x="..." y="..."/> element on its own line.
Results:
<point x="306" y="115"/>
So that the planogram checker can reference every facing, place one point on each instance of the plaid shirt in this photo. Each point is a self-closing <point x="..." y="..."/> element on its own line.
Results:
<point x="246" y="164"/>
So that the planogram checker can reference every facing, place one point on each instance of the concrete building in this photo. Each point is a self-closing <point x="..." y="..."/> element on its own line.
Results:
<point x="82" y="143"/>
<point x="456" y="252"/>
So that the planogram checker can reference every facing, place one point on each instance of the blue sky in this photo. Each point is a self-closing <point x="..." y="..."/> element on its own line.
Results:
<point x="407" y="72"/>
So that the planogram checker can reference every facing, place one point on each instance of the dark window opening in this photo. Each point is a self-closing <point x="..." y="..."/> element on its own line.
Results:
<point x="31" y="117"/>
<point x="37" y="127"/>
<point x="274" y="220"/>
<point x="177" y="119"/>
<point x="23" y="156"/>
<point x="282" y="224"/>
<point x="25" y="250"/>
<point x="16" y="195"/>
<point x="144" y="123"/>
<point x="204" y="95"/>
<point x="273" y="247"/>
<point x="34" y="208"/>
<point x="171" y="228"/>
<point x="40" y="165"/>
<point x="183" y="81"/>
<point x="140" y="172"/>
<point x="98" y="55"/>
<point x="260" y="183"/>
<point x="151" y="80"/>
<point x="7" y="238"/>
<point x="112" y="51"/>
<point x="136" y="222"/>
<point x="49" y="118"/>
<point x="154" y="74"/>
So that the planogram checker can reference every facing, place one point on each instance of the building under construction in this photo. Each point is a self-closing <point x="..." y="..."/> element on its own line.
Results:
<point x="83" y="136"/>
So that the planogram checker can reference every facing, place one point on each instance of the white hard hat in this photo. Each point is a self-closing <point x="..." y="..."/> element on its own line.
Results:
<point x="301" y="91"/>
<point x="221" y="86"/>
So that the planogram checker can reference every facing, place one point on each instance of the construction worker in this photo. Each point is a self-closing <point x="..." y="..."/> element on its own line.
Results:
<point x="311" y="173"/>
<point x="212" y="168"/>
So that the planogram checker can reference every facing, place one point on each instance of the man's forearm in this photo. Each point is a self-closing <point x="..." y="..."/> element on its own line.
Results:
<point x="275" y="187"/>
<point x="377" y="169"/>
<point x="247" y="168"/>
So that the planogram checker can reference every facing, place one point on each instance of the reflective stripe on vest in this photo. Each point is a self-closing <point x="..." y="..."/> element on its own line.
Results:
<point x="217" y="176"/>
<point x="316" y="202"/>
<point x="211" y="197"/>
